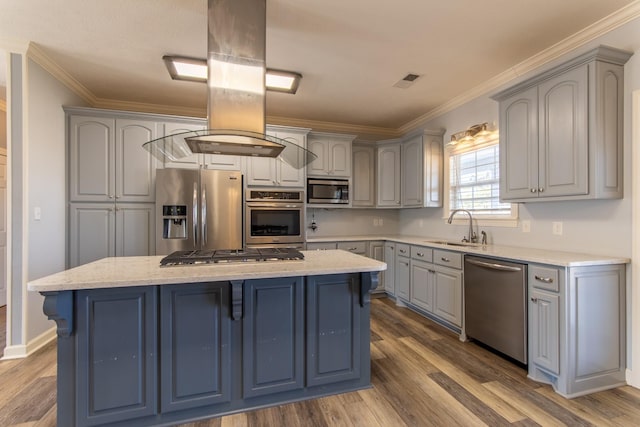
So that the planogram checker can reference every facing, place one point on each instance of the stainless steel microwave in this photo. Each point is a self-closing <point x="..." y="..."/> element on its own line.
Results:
<point x="327" y="191"/>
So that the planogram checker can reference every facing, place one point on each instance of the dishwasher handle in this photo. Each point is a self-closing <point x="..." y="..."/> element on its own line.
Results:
<point x="492" y="265"/>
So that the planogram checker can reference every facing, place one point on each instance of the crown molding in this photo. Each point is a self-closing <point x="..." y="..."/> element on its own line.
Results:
<point x="114" y="104"/>
<point x="317" y="125"/>
<point x="13" y="46"/>
<point x="42" y="59"/>
<point x="582" y="37"/>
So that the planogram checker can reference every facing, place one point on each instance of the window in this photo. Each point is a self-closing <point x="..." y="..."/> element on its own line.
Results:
<point x="474" y="181"/>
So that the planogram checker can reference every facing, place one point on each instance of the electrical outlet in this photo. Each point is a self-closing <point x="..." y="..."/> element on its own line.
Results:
<point x="376" y="222"/>
<point x="380" y="222"/>
<point x="557" y="228"/>
<point x="526" y="226"/>
<point x="37" y="213"/>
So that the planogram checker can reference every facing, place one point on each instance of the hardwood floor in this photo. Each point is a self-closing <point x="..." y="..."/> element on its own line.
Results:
<point x="422" y="375"/>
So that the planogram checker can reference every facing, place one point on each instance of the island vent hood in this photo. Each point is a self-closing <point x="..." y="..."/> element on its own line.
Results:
<point x="236" y="92"/>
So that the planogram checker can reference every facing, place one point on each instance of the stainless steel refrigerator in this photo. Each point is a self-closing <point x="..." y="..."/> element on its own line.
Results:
<point x="198" y="209"/>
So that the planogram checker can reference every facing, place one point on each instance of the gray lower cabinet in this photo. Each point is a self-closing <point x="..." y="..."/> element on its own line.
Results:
<point x="333" y="344"/>
<point x="422" y="281"/>
<point x="99" y="230"/>
<point x="376" y="251"/>
<point x="117" y="339"/>
<point x="389" y="274"/>
<point x="195" y="338"/>
<point x="273" y="336"/>
<point x="402" y="272"/>
<point x="577" y="334"/>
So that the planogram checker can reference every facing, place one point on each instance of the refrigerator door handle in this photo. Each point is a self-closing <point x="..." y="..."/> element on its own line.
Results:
<point x="195" y="215"/>
<point x="204" y="215"/>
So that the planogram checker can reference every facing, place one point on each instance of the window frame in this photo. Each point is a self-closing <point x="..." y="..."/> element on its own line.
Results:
<point x="481" y="219"/>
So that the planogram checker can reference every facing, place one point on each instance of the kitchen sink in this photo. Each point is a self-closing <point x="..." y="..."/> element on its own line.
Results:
<point x="450" y="243"/>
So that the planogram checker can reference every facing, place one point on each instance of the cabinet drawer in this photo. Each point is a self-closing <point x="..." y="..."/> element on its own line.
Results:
<point x="450" y="259"/>
<point x="544" y="278"/>
<point x="422" y="253"/>
<point x="355" y="247"/>
<point x="403" y="250"/>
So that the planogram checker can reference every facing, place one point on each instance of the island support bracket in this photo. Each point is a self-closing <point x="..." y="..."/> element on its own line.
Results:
<point x="58" y="306"/>
<point x="368" y="281"/>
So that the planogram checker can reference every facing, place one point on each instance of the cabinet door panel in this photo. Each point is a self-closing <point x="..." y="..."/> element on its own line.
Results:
<point x="196" y="348"/>
<point x="433" y="175"/>
<point x="135" y="166"/>
<point x="402" y="278"/>
<point x="388" y="173"/>
<point x="91" y="162"/>
<point x="290" y="176"/>
<point x="422" y="282"/>
<point x="544" y="337"/>
<point x="363" y="188"/>
<point x="333" y="341"/>
<point x="273" y="349"/>
<point x="447" y="295"/>
<point x="389" y="274"/>
<point x="118" y="339"/>
<point x="223" y="162"/>
<point x="412" y="171"/>
<point x="340" y="158"/>
<point x="92" y="232"/>
<point x="135" y="225"/>
<point x="261" y="171"/>
<point x="189" y="162"/>
<point x="519" y="145"/>
<point x="320" y="165"/>
<point x="563" y="143"/>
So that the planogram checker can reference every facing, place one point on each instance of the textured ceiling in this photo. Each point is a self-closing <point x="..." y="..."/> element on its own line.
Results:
<point x="350" y="52"/>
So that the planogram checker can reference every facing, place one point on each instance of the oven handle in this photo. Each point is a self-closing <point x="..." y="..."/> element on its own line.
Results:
<point x="204" y="215"/>
<point x="493" y="266"/>
<point x="274" y="205"/>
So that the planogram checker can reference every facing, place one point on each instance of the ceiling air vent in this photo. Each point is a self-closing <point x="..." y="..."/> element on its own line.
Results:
<point x="407" y="81"/>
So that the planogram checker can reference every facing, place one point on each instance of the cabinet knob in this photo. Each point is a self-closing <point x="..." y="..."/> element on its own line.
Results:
<point x="534" y="190"/>
<point x="353" y="249"/>
<point x="432" y="271"/>
<point x="540" y="190"/>
<point x="445" y="259"/>
<point x="111" y="196"/>
<point x="420" y="254"/>
<point x="534" y="300"/>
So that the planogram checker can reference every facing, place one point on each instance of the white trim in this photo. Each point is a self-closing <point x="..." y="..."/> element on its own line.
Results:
<point x="633" y="374"/>
<point x="21" y="351"/>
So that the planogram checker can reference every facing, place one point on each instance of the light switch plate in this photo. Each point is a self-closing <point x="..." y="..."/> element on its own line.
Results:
<point x="557" y="228"/>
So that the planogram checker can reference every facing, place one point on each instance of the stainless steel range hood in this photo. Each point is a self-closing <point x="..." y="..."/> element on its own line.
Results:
<point x="236" y="91"/>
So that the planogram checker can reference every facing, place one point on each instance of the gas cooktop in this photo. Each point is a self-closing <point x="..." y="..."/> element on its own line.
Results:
<point x="206" y="256"/>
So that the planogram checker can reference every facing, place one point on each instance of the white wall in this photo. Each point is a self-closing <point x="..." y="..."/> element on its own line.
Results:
<point x="359" y="222"/>
<point x="45" y="162"/>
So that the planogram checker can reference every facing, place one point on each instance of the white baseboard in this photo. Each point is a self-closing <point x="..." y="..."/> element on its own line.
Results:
<point x="21" y="351"/>
<point x="633" y="377"/>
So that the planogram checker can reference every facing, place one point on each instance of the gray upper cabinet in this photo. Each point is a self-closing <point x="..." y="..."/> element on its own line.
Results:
<point x="107" y="161"/>
<point x="333" y="153"/>
<point x="363" y="192"/>
<point x="195" y="161"/>
<point x="561" y="131"/>
<point x="388" y="175"/>
<point x="268" y="172"/>
<point x="421" y="170"/>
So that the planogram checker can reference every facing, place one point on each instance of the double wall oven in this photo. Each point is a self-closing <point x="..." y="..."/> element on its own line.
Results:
<point x="274" y="218"/>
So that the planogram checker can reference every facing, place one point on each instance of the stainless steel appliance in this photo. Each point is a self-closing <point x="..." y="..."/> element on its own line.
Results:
<point x="207" y="256"/>
<point x="274" y="218"/>
<point x="198" y="209"/>
<point x="495" y="304"/>
<point x="327" y="191"/>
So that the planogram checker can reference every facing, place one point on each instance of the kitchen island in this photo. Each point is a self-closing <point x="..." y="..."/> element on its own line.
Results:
<point x="140" y="344"/>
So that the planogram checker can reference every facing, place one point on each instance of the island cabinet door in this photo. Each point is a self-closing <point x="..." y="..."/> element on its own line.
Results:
<point x="333" y="328"/>
<point x="195" y="331"/>
<point x="273" y="336"/>
<point x="116" y="354"/>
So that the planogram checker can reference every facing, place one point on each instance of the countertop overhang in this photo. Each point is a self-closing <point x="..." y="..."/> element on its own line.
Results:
<point x="116" y="272"/>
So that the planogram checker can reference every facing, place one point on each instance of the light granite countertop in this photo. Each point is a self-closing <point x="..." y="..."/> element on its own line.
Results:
<point x="145" y="270"/>
<point x="540" y="256"/>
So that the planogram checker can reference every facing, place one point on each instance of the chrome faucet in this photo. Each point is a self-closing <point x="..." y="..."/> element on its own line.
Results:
<point x="473" y="238"/>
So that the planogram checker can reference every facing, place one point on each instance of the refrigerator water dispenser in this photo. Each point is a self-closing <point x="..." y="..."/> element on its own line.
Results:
<point x="174" y="221"/>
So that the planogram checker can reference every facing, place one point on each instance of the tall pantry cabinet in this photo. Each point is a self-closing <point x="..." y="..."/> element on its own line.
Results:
<point x="111" y="185"/>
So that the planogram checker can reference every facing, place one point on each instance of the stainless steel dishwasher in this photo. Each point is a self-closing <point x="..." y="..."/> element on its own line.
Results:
<point x="495" y="301"/>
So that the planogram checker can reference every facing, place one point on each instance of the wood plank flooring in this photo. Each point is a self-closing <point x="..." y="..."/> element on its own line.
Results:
<point x="422" y="375"/>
